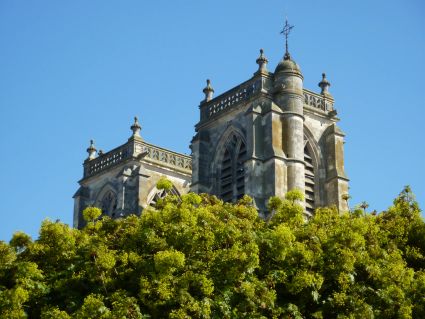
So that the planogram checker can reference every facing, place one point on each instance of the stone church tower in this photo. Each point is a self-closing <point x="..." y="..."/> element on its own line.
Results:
<point x="267" y="136"/>
<point x="262" y="138"/>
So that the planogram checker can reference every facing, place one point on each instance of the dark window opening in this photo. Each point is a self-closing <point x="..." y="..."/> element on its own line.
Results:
<point x="109" y="204"/>
<point x="232" y="173"/>
<point x="309" y="181"/>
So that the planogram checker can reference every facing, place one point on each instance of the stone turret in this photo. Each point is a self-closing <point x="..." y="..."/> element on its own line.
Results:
<point x="288" y="95"/>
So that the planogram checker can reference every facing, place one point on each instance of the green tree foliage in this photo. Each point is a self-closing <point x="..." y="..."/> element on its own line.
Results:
<point x="197" y="257"/>
<point x="90" y="214"/>
<point x="165" y="184"/>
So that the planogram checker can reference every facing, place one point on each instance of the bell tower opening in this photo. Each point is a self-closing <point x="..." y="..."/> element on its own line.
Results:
<point x="232" y="172"/>
<point x="309" y="180"/>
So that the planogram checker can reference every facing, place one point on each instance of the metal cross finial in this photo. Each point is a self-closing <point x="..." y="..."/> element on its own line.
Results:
<point x="286" y="30"/>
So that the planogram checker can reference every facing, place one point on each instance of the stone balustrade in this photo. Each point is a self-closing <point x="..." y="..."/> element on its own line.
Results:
<point x="161" y="156"/>
<point x="230" y="98"/>
<point x="106" y="160"/>
<point x="318" y="101"/>
<point x="138" y="150"/>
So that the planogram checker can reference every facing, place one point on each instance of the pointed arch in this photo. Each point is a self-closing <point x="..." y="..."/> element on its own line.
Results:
<point x="107" y="200"/>
<point x="313" y="160"/>
<point x="230" y="169"/>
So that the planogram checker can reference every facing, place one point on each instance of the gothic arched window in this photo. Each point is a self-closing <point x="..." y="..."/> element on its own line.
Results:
<point x="108" y="204"/>
<point x="309" y="181"/>
<point x="232" y="172"/>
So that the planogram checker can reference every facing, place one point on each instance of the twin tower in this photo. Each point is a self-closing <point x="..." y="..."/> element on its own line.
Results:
<point x="262" y="138"/>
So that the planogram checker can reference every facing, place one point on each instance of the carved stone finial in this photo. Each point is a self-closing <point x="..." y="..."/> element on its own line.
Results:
<point x="262" y="62"/>
<point x="324" y="85"/>
<point x="208" y="91"/>
<point x="91" y="150"/>
<point x="136" y="127"/>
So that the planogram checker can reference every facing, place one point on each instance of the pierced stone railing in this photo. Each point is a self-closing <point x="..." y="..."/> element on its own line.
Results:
<point x="161" y="156"/>
<point x="230" y="98"/>
<point x="141" y="151"/>
<point x="106" y="160"/>
<point x="317" y="101"/>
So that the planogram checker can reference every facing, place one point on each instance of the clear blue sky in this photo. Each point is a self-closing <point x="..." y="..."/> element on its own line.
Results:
<point x="75" y="70"/>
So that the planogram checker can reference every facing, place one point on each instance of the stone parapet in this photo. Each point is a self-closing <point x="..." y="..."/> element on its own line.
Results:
<point x="319" y="101"/>
<point x="230" y="99"/>
<point x="138" y="150"/>
<point x="166" y="158"/>
<point x="106" y="160"/>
